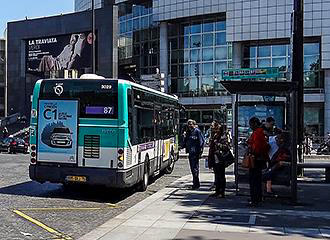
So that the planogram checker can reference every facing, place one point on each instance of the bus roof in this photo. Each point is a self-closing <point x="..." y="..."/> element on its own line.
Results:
<point x="174" y="97"/>
<point x="147" y="89"/>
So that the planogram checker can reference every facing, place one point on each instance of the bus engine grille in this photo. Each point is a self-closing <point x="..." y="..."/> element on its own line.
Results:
<point x="129" y="157"/>
<point x="92" y="146"/>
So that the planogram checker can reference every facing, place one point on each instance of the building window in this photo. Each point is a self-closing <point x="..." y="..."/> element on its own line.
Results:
<point x="205" y="117"/>
<point x="138" y="38"/>
<point x="314" y="119"/>
<point x="202" y="53"/>
<point x="278" y="55"/>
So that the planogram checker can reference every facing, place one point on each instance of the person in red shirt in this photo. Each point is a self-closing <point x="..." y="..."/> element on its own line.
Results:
<point x="257" y="146"/>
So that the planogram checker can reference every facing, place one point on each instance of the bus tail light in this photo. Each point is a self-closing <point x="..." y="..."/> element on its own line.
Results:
<point x="120" y="158"/>
<point x="33" y="154"/>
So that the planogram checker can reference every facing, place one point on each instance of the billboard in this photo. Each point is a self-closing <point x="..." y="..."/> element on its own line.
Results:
<point x="71" y="51"/>
<point x="57" y="131"/>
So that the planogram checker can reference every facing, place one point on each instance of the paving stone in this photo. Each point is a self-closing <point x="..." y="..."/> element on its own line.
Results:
<point x="124" y="233"/>
<point x="138" y="223"/>
<point x="200" y="226"/>
<point x="169" y="224"/>
<point x="159" y="234"/>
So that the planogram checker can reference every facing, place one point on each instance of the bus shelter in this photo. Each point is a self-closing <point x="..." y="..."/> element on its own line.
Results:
<point x="276" y="98"/>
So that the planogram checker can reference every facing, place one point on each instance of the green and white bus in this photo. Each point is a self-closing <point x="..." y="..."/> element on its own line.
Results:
<point x="101" y="132"/>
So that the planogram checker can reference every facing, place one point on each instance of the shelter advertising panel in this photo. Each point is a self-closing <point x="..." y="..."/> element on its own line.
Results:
<point x="57" y="131"/>
<point x="55" y="53"/>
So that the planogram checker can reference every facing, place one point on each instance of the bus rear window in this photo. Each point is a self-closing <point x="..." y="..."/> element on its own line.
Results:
<point x="97" y="98"/>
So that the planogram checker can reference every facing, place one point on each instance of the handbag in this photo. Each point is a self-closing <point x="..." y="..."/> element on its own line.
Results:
<point x="248" y="161"/>
<point x="226" y="158"/>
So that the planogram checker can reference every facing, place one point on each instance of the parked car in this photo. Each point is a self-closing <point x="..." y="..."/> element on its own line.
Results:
<point x="61" y="137"/>
<point x="13" y="145"/>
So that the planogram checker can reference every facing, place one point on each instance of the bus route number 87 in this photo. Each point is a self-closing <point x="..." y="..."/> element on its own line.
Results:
<point x="107" y="110"/>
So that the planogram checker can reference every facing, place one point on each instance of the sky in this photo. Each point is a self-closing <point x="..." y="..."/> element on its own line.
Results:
<point x="11" y="10"/>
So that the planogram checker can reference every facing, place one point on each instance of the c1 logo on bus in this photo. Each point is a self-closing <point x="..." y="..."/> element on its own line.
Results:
<point x="48" y="116"/>
<point x="58" y="89"/>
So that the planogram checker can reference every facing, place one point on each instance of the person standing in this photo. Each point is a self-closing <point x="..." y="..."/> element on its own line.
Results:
<point x="258" y="147"/>
<point x="270" y="128"/>
<point x="219" y="145"/>
<point x="194" y="144"/>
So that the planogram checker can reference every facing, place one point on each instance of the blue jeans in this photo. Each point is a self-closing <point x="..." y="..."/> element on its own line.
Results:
<point x="194" y="168"/>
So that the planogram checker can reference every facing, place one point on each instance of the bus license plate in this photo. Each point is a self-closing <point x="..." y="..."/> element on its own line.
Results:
<point x="76" y="178"/>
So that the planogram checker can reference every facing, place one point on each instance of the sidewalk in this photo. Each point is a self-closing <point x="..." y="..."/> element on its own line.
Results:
<point x="177" y="212"/>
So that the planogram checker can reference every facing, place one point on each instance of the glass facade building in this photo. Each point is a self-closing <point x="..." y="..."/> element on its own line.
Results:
<point x="191" y="42"/>
<point x="80" y="5"/>
<point x="278" y="55"/>
<point x="198" y="52"/>
<point x="138" y="39"/>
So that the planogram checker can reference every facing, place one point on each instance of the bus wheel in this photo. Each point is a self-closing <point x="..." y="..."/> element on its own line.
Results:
<point x="170" y="167"/>
<point x="145" y="178"/>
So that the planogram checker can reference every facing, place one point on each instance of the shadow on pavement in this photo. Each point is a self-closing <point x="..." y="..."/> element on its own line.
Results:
<point x="76" y="192"/>
<point x="275" y="217"/>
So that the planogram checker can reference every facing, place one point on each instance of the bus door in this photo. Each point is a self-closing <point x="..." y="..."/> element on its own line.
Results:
<point x="57" y="131"/>
<point x="158" y="138"/>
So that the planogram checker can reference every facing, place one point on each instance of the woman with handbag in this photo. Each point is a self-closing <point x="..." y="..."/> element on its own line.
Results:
<point x="258" y="148"/>
<point x="219" y="146"/>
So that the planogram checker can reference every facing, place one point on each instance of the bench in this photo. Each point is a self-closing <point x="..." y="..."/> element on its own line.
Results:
<point x="283" y="176"/>
<point x="325" y="165"/>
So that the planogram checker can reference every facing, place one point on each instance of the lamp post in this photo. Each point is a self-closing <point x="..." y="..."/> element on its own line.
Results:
<point x="93" y="37"/>
<point x="197" y="66"/>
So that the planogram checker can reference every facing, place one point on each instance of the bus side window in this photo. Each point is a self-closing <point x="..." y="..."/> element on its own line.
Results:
<point x="131" y="117"/>
<point x="144" y="113"/>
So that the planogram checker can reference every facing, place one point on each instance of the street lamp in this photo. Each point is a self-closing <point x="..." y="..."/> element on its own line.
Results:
<point x="197" y="64"/>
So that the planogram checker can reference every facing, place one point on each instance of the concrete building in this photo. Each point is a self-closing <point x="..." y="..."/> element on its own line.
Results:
<point x="2" y="76"/>
<point x="192" y="41"/>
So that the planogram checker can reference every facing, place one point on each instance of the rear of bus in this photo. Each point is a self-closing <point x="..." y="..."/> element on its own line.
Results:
<point x="78" y="132"/>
